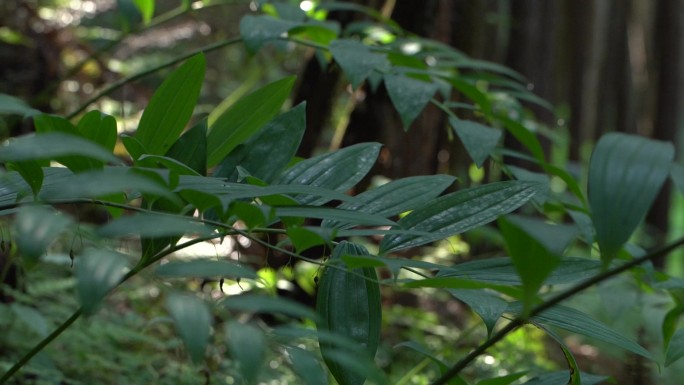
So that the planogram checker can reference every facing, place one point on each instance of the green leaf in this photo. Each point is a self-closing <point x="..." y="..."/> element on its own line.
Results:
<point x="626" y="173"/>
<point x="357" y="60"/>
<point x="675" y="349"/>
<point x="256" y="30"/>
<point x="94" y="184"/>
<point x="575" y="321"/>
<point x="277" y="141"/>
<point x="479" y="140"/>
<point x="31" y="318"/>
<point x="9" y="105"/>
<point x="146" y="8"/>
<point x="247" y="346"/>
<point x="52" y="145"/>
<point x="253" y="215"/>
<point x="360" y="219"/>
<point x="561" y="377"/>
<point x="205" y="268"/>
<point x="153" y="225"/>
<point x="574" y="371"/>
<point x="502" y="272"/>
<point x="459" y="212"/>
<point x="35" y="228"/>
<point x="306" y="237"/>
<point x="532" y="260"/>
<point x="339" y="170"/>
<point x="543" y="179"/>
<point x="99" y="128"/>
<point x="171" y="107"/>
<point x="134" y="147"/>
<point x="193" y="323"/>
<point x="503" y="380"/>
<point x="244" y="118"/>
<point x="408" y="95"/>
<point x="268" y="305"/>
<point x="155" y="161"/>
<point x="488" y="306"/>
<point x="447" y="282"/>
<point x="31" y="171"/>
<point x="97" y="272"/>
<point x="306" y="366"/>
<point x="395" y="197"/>
<point x="191" y="148"/>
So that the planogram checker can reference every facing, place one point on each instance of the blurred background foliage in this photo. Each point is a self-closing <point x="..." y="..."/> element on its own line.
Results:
<point x="602" y="66"/>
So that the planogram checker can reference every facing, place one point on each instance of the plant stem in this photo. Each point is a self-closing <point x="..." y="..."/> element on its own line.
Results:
<point x="551" y="302"/>
<point x="121" y="82"/>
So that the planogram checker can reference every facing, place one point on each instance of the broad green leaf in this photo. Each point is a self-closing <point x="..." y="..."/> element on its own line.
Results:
<point x="52" y="123"/>
<point x="134" y="147"/>
<point x="94" y="184"/>
<point x="268" y="305"/>
<point x="339" y="170"/>
<point x="171" y="107"/>
<point x="306" y="237"/>
<point x="361" y="219"/>
<point x="553" y="237"/>
<point x="97" y="272"/>
<point x="31" y="171"/>
<point x="671" y="322"/>
<point x="447" y="282"/>
<point x="575" y="321"/>
<point x="277" y="141"/>
<point x="523" y="135"/>
<point x="191" y="148"/>
<point x="503" y="380"/>
<point x="153" y="225"/>
<point x="502" y="272"/>
<point x="244" y="118"/>
<point x="479" y="140"/>
<point x="247" y="346"/>
<point x="99" y="128"/>
<point x="13" y="187"/>
<point x="35" y="228"/>
<point x="488" y="306"/>
<point x="193" y="323"/>
<point x="9" y="105"/>
<point x="675" y="349"/>
<point x="306" y="366"/>
<point x="146" y="8"/>
<point x="357" y="60"/>
<point x="253" y="215"/>
<point x="256" y="30"/>
<point x="459" y="212"/>
<point x="155" y="161"/>
<point x="561" y="377"/>
<point x="52" y="145"/>
<point x="31" y="318"/>
<point x="626" y="173"/>
<point x="532" y="260"/>
<point x="408" y="95"/>
<point x="231" y="191"/>
<point x="204" y="268"/>
<point x="318" y="32"/>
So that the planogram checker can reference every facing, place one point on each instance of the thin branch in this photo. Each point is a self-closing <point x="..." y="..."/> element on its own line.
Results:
<point x="551" y="302"/>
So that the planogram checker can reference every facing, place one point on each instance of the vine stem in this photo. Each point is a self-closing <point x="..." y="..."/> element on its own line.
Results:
<point x="551" y="302"/>
<point x="121" y="82"/>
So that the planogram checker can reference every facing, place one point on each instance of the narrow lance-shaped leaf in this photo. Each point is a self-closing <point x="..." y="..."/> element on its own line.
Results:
<point x="204" y="268"/>
<point x="244" y="118"/>
<point x="52" y="145"/>
<point x="97" y="272"/>
<point x="395" y="197"/>
<point x="277" y="141"/>
<point x="575" y="321"/>
<point x="626" y="173"/>
<point x="339" y="170"/>
<point x="171" y="107"/>
<point x="191" y="148"/>
<point x="459" y="212"/>
<point x="35" y="228"/>
<point x="193" y="323"/>
<point x="247" y="346"/>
